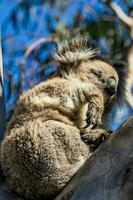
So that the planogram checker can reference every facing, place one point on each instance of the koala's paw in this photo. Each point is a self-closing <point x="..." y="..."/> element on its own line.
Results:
<point x="93" y="115"/>
<point x="94" y="137"/>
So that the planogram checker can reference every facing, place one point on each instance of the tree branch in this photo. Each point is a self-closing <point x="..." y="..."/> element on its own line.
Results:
<point x="37" y="43"/>
<point x="121" y="14"/>
<point x="2" y="105"/>
<point x="108" y="173"/>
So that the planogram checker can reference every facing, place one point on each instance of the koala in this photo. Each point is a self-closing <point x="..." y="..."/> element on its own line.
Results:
<point x="56" y="125"/>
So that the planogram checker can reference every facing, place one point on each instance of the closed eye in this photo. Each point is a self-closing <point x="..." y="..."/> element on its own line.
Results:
<point x="112" y="77"/>
<point x="96" y="72"/>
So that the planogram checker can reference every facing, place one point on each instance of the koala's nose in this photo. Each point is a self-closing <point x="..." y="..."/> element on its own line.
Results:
<point x="111" y="86"/>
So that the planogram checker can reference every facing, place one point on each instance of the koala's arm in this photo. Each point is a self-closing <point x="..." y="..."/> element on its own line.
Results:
<point x="68" y="97"/>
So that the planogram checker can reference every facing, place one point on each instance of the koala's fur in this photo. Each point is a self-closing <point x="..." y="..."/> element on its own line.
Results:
<point x="42" y="148"/>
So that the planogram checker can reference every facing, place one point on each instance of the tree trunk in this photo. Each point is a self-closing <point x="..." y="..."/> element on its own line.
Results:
<point x="2" y="105"/>
<point x="108" y="173"/>
<point x="129" y="85"/>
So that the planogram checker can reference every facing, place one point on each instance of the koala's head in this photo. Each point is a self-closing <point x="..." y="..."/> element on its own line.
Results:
<point x="100" y="73"/>
<point x="79" y="57"/>
<point x="109" y="77"/>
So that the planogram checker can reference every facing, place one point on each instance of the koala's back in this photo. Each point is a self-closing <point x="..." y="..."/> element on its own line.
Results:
<point x="39" y="159"/>
<point x="33" y="103"/>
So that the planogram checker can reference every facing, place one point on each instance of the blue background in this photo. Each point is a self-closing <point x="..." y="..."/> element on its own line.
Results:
<point x="24" y="22"/>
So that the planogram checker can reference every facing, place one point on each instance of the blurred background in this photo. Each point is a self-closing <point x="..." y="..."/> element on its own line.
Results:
<point x="30" y="29"/>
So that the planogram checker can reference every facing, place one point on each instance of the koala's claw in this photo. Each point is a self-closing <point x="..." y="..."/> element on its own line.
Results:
<point x="93" y="116"/>
<point x="94" y="137"/>
<point x="109" y="132"/>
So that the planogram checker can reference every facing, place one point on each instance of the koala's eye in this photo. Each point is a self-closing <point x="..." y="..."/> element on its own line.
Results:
<point x="112" y="77"/>
<point x="96" y="73"/>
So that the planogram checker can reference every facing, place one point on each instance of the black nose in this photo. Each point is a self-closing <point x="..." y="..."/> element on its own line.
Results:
<point x="111" y="86"/>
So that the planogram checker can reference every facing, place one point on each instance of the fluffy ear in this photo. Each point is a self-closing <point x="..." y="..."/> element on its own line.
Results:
<point x="121" y="68"/>
<point x="72" y="52"/>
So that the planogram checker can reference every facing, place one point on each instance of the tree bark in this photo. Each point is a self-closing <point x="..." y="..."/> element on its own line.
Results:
<point x="108" y="173"/>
